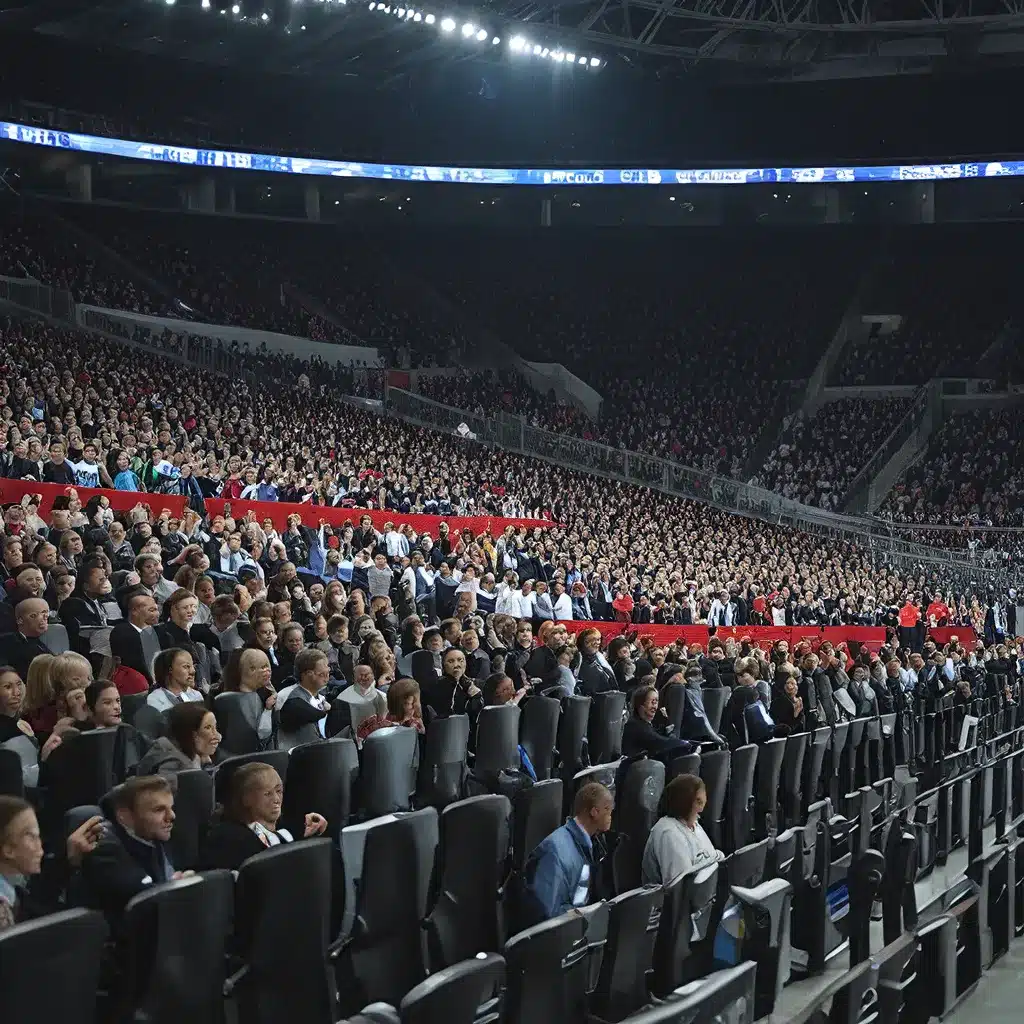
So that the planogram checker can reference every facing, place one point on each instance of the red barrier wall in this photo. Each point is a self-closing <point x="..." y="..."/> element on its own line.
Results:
<point x="278" y="511"/>
<point x="763" y="636"/>
<point x="121" y="501"/>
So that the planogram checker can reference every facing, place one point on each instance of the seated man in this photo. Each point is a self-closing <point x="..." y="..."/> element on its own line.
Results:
<point x="302" y="710"/>
<point x="17" y="649"/>
<point x="559" y="872"/>
<point x="132" y="853"/>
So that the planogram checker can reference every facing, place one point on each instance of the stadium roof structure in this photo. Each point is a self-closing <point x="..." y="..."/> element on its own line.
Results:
<point x="722" y="40"/>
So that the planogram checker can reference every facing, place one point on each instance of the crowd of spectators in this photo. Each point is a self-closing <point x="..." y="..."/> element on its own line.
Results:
<point x="960" y="486"/>
<point x="203" y="435"/>
<point x="817" y="458"/>
<point x="948" y="300"/>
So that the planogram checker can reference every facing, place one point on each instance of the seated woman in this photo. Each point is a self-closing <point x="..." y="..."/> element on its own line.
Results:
<point x="248" y="671"/>
<point x="191" y="742"/>
<point x="252" y="808"/>
<point x="787" y="708"/>
<point x="677" y="843"/>
<point x="403" y="709"/>
<point x="645" y="730"/>
<point x="175" y="675"/>
<point x="499" y="689"/>
<point x="49" y="680"/>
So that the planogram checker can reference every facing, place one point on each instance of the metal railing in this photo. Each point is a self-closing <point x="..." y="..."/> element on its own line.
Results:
<point x="511" y="432"/>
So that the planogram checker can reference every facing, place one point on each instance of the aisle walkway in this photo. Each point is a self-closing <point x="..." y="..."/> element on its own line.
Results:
<point x="999" y="997"/>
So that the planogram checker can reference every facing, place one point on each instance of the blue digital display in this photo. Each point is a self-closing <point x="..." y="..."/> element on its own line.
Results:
<point x="502" y="175"/>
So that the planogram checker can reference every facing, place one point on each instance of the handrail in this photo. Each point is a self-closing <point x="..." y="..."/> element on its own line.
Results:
<point x="512" y="432"/>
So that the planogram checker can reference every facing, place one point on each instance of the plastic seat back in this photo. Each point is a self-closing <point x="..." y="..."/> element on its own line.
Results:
<point x="442" y="771"/>
<point x="193" y="809"/>
<point x="319" y="780"/>
<point x="715" y="768"/>
<point x="281" y="927"/>
<point x="277" y="759"/>
<point x="633" y="920"/>
<point x="538" y="733"/>
<point x="604" y="728"/>
<point x="457" y="994"/>
<point x="70" y="945"/>
<point x="473" y="849"/>
<point x="387" y="776"/>
<point x="164" y="947"/>
<point x="497" y="739"/>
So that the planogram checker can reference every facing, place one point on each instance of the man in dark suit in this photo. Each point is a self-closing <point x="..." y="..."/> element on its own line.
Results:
<point x="133" y="641"/>
<point x="17" y="649"/>
<point x="133" y="853"/>
<point x="82" y="612"/>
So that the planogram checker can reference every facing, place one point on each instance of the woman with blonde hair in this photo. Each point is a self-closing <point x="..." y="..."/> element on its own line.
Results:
<point x="47" y="689"/>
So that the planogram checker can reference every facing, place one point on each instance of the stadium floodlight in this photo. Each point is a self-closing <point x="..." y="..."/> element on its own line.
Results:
<point x="373" y="5"/>
<point x="536" y="49"/>
<point x="571" y="58"/>
<point x="170" y="3"/>
<point x="545" y="52"/>
<point x="236" y="9"/>
<point x="409" y="14"/>
<point x="594" y="62"/>
<point x="517" y="43"/>
<point x="430" y="19"/>
<point x="417" y="16"/>
<point x="558" y="57"/>
<point x="448" y="25"/>
<point x="495" y="40"/>
<point x="583" y="60"/>
<point x="264" y="17"/>
<point x="206" y="5"/>
<point x="468" y="29"/>
<point x="400" y="12"/>
<point x="481" y="35"/>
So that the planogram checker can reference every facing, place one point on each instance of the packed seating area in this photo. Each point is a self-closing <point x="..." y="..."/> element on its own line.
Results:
<point x="953" y="293"/>
<point x="389" y="730"/>
<point x="817" y="459"/>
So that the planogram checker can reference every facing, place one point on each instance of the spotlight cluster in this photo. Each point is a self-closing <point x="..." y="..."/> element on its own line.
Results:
<point x="519" y="46"/>
<point x="471" y="32"/>
<point x="523" y="47"/>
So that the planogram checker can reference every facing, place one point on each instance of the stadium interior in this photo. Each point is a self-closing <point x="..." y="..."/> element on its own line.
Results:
<point x="511" y="513"/>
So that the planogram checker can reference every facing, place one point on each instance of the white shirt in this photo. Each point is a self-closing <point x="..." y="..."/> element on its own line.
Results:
<point x="163" y="700"/>
<point x="524" y="605"/>
<point x="562" y="608"/>
<point x="778" y="616"/>
<point x="507" y="600"/>
<point x="674" y="848"/>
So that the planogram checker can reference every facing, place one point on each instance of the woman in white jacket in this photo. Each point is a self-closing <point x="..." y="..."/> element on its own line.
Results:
<point x="677" y="842"/>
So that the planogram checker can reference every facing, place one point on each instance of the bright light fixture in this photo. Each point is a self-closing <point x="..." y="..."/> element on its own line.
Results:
<point x="468" y="29"/>
<point x="481" y="35"/>
<point x="448" y="25"/>
<point x="495" y="40"/>
<point x="430" y="19"/>
<point x="517" y="43"/>
<point x="264" y="17"/>
<point x="571" y="57"/>
<point x="583" y="60"/>
<point x="417" y="16"/>
<point x="401" y="12"/>
<point x="594" y="62"/>
<point x="536" y="49"/>
<point x="206" y="5"/>
<point x="236" y="9"/>
<point x="545" y="52"/>
<point x="558" y="56"/>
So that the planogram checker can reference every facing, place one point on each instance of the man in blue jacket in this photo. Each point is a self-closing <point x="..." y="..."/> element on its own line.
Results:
<point x="560" y="870"/>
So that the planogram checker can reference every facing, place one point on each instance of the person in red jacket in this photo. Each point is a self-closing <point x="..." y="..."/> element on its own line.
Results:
<point x="938" y="612"/>
<point x="909" y="617"/>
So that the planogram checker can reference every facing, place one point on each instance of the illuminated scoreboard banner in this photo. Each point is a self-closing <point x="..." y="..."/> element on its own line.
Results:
<point x="160" y="153"/>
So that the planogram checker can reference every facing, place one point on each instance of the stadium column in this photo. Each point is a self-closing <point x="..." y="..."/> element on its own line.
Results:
<point x="79" y="179"/>
<point x="545" y="213"/>
<point x="924" y="196"/>
<point x="200" y="196"/>
<point x="312" y="201"/>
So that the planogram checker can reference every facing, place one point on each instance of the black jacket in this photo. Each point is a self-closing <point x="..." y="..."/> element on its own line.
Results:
<point x="126" y="646"/>
<point x="18" y="651"/>
<point x="448" y="697"/>
<point x="733" y="725"/>
<point x="543" y="665"/>
<point x="783" y="712"/>
<point x="641" y="737"/>
<point x="121" y="867"/>
<point x="228" y="845"/>
<point x="596" y="675"/>
<point x="78" y="612"/>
